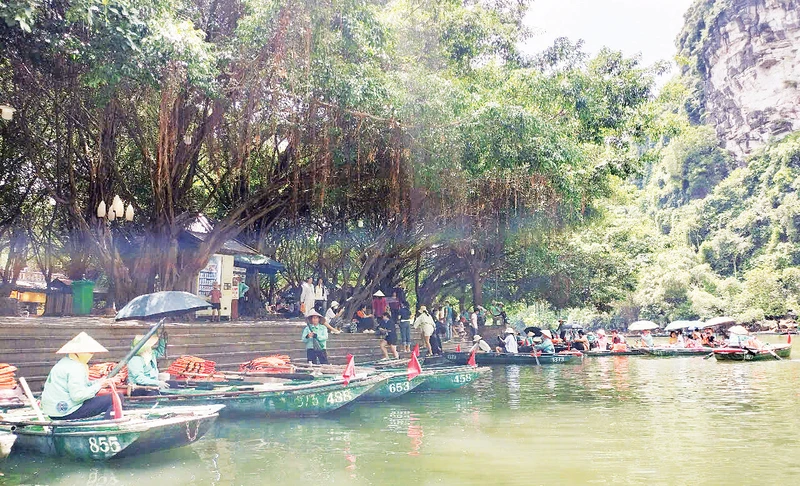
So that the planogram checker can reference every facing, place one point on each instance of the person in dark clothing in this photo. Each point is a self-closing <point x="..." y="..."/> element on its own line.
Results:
<point x="388" y="332"/>
<point x="404" y="323"/>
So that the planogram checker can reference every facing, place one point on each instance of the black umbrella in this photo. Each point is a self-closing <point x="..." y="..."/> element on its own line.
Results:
<point x="161" y="304"/>
<point x="150" y="306"/>
<point x="537" y="331"/>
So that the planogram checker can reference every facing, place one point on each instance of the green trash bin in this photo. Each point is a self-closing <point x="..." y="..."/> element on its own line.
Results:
<point x="82" y="297"/>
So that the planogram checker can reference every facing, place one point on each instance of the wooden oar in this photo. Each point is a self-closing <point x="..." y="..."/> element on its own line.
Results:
<point x="33" y="401"/>
<point x="136" y="348"/>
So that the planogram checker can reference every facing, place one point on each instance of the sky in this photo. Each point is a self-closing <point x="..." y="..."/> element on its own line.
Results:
<point x="646" y="27"/>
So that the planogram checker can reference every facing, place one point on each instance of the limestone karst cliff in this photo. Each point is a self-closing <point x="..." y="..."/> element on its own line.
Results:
<point x="746" y="54"/>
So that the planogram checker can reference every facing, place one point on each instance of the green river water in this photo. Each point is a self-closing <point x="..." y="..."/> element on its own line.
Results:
<point x="620" y="420"/>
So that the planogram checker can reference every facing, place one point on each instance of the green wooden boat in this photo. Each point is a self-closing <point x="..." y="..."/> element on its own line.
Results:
<point x="450" y="378"/>
<point x="138" y="432"/>
<point x="601" y="354"/>
<point x="569" y="357"/>
<point x="676" y="352"/>
<point x="784" y="351"/>
<point x="396" y="385"/>
<point x="271" y="399"/>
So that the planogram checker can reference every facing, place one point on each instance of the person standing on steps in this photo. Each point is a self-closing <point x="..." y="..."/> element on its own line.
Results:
<point x="378" y="303"/>
<point x="320" y="296"/>
<point x="424" y="323"/>
<point x="388" y="332"/>
<point x="315" y="337"/>
<point x="214" y="298"/>
<point x="404" y="323"/>
<point x="306" y="297"/>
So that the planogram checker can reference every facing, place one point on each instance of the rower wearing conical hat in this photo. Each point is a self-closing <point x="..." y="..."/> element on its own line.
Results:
<point x="143" y="368"/>
<point x="68" y="393"/>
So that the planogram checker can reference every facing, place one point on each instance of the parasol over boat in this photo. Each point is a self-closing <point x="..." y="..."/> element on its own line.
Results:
<point x="161" y="304"/>
<point x="675" y="325"/>
<point x="642" y="325"/>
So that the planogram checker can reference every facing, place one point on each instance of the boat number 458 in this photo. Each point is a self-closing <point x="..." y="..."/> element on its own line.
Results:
<point x="462" y="379"/>
<point x="104" y="444"/>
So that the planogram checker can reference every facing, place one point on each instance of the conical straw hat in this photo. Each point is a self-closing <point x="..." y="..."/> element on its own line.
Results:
<point x="82" y="343"/>
<point x="149" y="344"/>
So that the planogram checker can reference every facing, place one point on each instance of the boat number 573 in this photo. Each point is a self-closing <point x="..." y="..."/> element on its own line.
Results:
<point x="104" y="444"/>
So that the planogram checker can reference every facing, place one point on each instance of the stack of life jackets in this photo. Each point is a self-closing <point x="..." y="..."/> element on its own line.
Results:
<point x="101" y="370"/>
<point x="7" y="379"/>
<point x="188" y="367"/>
<point x="268" y="364"/>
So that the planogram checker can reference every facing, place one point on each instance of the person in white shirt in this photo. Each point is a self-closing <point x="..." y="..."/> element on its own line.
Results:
<point x="332" y="317"/>
<point x="473" y="321"/>
<point x="480" y="345"/>
<point x="509" y="343"/>
<point x="320" y="296"/>
<point x="307" y="297"/>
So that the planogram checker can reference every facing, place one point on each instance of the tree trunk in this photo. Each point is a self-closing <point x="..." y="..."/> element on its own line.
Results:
<point x="477" y="288"/>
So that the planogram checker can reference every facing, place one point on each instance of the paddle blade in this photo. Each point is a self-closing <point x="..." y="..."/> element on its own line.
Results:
<point x="415" y="352"/>
<point x="116" y="403"/>
<point x="414" y="369"/>
<point x="471" y="360"/>
<point x="349" y="370"/>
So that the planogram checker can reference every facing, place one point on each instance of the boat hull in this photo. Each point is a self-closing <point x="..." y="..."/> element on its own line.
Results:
<point x="299" y="400"/>
<point x="738" y="354"/>
<point x="601" y="354"/>
<point x="99" y="440"/>
<point x="487" y="359"/>
<point x="396" y="385"/>
<point x="676" y="352"/>
<point x="454" y="377"/>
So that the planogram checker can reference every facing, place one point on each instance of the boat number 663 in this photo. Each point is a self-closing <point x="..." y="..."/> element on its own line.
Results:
<point x="104" y="444"/>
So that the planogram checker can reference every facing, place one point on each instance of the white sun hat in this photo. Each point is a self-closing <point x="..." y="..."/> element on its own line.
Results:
<point x="82" y="343"/>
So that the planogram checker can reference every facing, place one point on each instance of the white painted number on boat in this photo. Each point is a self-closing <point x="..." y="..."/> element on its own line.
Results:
<point x="451" y="357"/>
<point x="462" y="379"/>
<point x="339" y="396"/>
<point x="558" y="359"/>
<point x="399" y="387"/>
<point x="104" y="444"/>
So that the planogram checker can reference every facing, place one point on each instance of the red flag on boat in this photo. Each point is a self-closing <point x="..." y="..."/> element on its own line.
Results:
<point x="349" y="370"/>
<point x="414" y="369"/>
<point x="788" y="338"/>
<point x="458" y="348"/>
<point x="116" y="403"/>
<point x="471" y="360"/>
<point x="415" y="352"/>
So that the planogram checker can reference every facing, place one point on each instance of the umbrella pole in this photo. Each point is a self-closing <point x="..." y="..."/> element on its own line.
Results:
<point x="136" y="348"/>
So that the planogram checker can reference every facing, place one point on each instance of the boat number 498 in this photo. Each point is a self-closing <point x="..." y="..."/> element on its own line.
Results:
<point x="104" y="444"/>
<point x="339" y="396"/>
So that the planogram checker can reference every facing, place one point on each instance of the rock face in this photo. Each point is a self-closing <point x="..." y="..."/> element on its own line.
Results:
<point x="749" y="60"/>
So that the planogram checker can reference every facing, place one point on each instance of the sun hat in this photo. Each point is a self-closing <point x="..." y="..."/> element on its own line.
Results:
<point x="530" y="333"/>
<point x="312" y="313"/>
<point x="334" y="304"/>
<point x="601" y="332"/>
<point x="82" y="343"/>
<point x="379" y="294"/>
<point x="476" y="338"/>
<point x="422" y="308"/>
<point x="149" y="344"/>
<point x="547" y="333"/>
<point x="509" y="331"/>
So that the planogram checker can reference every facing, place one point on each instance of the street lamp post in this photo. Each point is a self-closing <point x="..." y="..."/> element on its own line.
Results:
<point x="115" y="210"/>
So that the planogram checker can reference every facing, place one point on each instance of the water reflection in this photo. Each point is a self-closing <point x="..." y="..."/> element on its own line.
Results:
<point x="616" y="420"/>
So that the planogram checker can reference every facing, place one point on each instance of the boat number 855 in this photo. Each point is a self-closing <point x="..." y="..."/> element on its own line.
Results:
<point x="399" y="387"/>
<point x="104" y="444"/>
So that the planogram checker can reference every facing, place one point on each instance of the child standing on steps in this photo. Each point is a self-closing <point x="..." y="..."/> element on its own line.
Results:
<point x="215" y="296"/>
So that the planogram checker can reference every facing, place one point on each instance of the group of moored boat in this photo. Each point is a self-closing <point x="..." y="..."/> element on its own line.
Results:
<point x="184" y="413"/>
